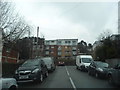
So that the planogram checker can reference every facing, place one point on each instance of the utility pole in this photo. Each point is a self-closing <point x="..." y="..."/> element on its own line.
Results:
<point x="37" y="41"/>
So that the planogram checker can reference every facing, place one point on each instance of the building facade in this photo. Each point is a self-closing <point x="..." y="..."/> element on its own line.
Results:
<point x="37" y="49"/>
<point x="61" y="48"/>
<point x="115" y="37"/>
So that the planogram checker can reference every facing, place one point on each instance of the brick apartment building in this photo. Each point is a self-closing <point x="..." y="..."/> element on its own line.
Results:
<point x="37" y="47"/>
<point x="61" y="48"/>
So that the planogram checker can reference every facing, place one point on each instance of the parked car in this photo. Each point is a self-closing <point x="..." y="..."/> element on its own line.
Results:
<point x="114" y="75"/>
<point x="61" y="63"/>
<point x="49" y="63"/>
<point x="8" y="84"/>
<point x="31" y="70"/>
<point x="83" y="61"/>
<point x="98" y="69"/>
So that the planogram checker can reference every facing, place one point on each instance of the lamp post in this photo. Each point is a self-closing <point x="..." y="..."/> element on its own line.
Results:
<point x="37" y="51"/>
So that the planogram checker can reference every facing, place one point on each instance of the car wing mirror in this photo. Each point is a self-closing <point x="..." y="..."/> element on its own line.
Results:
<point x="41" y="65"/>
<point x="117" y="67"/>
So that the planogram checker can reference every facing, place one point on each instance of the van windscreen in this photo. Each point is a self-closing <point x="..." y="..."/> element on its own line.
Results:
<point x="86" y="60"/>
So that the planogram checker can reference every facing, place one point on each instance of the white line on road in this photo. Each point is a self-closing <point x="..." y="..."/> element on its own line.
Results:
<point x="67" y="71"/>
<point x="71" y="81"/>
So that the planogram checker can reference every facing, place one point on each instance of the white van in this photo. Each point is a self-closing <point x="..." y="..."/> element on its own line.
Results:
<point x="83" y="61"/>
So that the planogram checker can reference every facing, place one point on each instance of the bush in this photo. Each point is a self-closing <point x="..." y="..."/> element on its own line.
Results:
<point x="8" y="69"/>
<point x="69" y="62"/>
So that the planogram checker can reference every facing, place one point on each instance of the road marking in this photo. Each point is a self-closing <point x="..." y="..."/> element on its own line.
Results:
<point x="67" y="71"/>
<point x="71" y="81"/>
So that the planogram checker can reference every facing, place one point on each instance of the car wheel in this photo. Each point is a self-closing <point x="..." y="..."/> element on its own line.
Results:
<point x="80" y="68"/>
<point x="46" y="74"/>
<point x="96" y="75"/>
<point x="110" y="80"/>
<point x="13" y="88"/>
<point x="89" y="73"/>
<point x="41" y="78"/>
<point x="76" y="67"/>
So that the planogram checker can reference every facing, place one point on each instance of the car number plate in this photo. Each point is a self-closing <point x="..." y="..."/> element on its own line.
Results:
<point x="23" y="77"/>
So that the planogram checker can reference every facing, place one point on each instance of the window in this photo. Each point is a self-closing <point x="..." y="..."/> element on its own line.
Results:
<point x="59" y="53"/>
<point x="52" y="52"/>
<point x="52" y="46"/>
<point x="74" y="53"/>
<point x="47" y="52"/>
<point x="59" y="48"/>
<point x="47" y="42"/>
<point x="65" y="41"/>
<point x="66" y="47"/>
<point x="69" y="42"/>
<point x="52" y="41"/>
<point x="74" y="41"/>
<point x="74" y="48"/>
<point x="47" y="47"/>
<point x="59" y="42"/>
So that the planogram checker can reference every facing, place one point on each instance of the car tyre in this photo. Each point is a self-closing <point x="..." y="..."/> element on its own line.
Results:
<point x="46" y="74"/>
<point x="13" y="88"/>
<point x="89" y="73"/>
<point x="77" y="67"/>
<point x="96" y="75"/>
<point x="41" y="77"/>
<point x="80" y="68"/>
<point x="110" y="80"/>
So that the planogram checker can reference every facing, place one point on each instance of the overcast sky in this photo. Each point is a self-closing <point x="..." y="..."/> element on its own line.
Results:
<point x="70" y="20"/>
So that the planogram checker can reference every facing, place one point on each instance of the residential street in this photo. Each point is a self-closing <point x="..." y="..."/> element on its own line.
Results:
<point x="68" y="77"/>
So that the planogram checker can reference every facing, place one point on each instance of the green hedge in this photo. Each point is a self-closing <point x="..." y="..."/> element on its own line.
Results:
<point x="68" y="62"/>
<point x="8" y="69"/>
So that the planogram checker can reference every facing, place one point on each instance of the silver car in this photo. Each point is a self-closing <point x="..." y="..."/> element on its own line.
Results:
<point x="49" y="63"/>
<point x="114" y="75"/>
<point x="8" y="84"/>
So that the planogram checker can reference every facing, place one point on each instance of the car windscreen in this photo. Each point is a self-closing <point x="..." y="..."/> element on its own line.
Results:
<point x="30" y="63"/>
<point x="86" y="60"/>
<point x="102" y="65"/>
<point x="47" y="61"/>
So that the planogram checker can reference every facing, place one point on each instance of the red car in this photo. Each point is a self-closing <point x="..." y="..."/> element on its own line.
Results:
<point x="61" y="63"/>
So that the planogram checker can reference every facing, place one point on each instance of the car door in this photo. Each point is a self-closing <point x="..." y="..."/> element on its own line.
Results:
<point x="93" y="68"/>
<point x="117" y="73"/>
<point x="43" y="66"/>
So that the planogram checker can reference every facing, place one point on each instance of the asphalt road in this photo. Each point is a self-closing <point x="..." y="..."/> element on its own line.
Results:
<point x="68" y="77"/>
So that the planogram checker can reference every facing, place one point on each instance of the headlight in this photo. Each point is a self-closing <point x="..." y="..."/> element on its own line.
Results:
<point x="16" y="72"/>
<point x="99" y="69"/>
<point x="35" y="70"/>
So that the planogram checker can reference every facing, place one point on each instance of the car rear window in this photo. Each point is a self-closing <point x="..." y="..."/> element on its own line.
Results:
<point x="100" y="64"/>
<point x="31" y="63"/>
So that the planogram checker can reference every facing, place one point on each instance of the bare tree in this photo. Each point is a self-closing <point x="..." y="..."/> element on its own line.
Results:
<point x="13" y="26"/>
<point x="104" y="35"/>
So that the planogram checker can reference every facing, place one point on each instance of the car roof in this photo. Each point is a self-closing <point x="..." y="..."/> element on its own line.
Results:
<point x="100" y="62"/>
<point x="32" y="60"/>
<point x="85" y="56"/>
